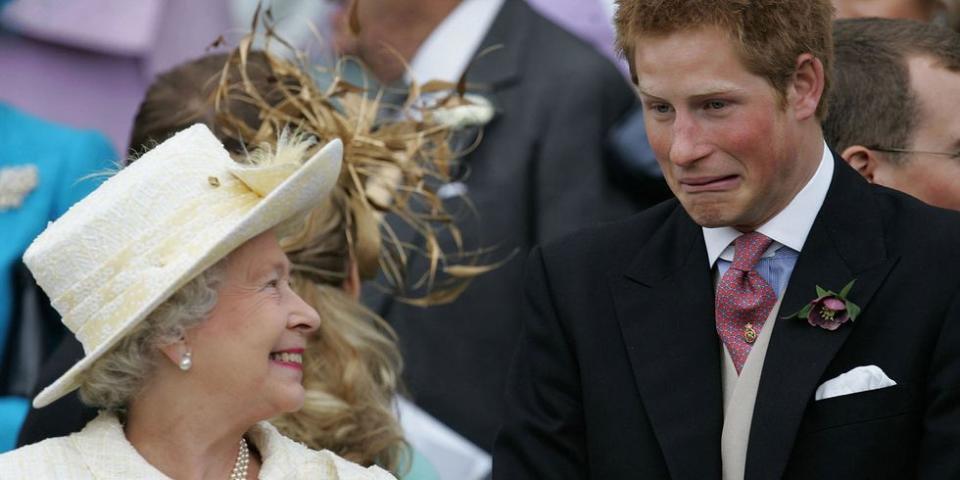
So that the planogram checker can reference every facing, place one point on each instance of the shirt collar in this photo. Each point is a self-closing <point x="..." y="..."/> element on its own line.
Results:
<point x="451" y="46"/>
<point x="791" y="226"/>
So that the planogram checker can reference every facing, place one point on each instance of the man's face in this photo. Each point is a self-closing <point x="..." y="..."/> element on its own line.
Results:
<point x="725" y="142"/>
<point x="910" y="9"/>
<point x="390" y="31"/>
<point x="935" y="179"/>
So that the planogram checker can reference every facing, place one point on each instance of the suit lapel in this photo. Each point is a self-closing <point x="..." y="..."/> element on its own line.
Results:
<point x="487" y="76"/>
<point x="846" y="242"/>
<point x="665" y="305"/>
<point x="507" y="34"/>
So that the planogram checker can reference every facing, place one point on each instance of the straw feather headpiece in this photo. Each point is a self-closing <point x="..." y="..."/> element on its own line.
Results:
<point x="391" y="165"/>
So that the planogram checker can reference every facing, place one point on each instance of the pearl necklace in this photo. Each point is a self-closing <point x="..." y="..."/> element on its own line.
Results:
<point x="239" y="471"/>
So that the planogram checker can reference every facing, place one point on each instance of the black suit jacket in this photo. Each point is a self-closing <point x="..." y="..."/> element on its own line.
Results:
<point x="618" y="372"/>
<point x="542" y="170"/>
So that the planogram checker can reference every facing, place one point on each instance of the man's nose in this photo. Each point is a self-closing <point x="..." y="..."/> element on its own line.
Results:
<point x="687" y="143"/>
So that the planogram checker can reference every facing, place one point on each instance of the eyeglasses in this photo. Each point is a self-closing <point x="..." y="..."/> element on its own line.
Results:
<point x="953" y="155"/>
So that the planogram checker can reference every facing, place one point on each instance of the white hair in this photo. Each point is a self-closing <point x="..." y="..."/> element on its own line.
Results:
<point x="119" y="375"/>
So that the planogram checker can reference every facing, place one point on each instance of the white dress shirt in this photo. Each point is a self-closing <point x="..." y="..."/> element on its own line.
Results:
<point x="788" y="228"/>
<point x="445" y="54"/>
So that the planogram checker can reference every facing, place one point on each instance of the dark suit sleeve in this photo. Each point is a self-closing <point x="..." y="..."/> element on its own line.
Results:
<point x="543" y="432"/>
<point x="573" y="185"/>
<point x="66" y="415"/>
<point x="940" y="450"/>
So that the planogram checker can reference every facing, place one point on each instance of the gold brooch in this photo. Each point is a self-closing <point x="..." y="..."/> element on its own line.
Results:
<point x="749" y="334"/>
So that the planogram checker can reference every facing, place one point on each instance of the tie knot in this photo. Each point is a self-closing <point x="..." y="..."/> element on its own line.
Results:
<point x="748" y="248"/>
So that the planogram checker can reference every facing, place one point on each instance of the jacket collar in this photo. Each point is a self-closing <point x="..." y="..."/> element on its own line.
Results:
<point x="846" y="242"/>
<point x="665" y="306"/>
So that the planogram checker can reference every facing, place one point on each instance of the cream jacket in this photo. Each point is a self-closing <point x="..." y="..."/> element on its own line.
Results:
<point x="101" y="451"/>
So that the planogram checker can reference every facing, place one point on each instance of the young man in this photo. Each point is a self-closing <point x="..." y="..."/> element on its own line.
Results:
<point x="905" y="77"/>
<point x="666" y="346"/>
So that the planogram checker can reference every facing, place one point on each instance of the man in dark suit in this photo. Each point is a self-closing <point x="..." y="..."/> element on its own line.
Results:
<point x="666" y="345"/>
<point x="543" y="168"/>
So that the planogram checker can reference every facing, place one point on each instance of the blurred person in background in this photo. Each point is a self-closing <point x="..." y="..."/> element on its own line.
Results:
<point x="953" y="14"/>
<point x="922" y="10"/>
<point x="545" y="167"/>
<point x="44" y="169"/>
<point x="895" y="106"/>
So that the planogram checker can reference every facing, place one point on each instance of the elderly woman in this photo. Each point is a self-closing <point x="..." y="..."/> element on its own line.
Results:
<point x="171" y="276"/>
<point x="352" y="363"/>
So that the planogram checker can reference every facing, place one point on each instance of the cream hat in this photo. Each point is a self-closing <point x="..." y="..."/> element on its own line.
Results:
<point x="155" y="225"/>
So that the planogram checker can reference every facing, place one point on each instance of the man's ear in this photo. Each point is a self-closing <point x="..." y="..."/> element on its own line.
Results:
<point x="863" y="160"/>
<point x="806" y="87"/>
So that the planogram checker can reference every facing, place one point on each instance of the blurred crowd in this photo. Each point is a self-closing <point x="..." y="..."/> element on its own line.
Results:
<point x="563" y="148"/>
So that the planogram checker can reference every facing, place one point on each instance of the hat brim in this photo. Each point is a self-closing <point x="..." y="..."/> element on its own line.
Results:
<point x="300" y="192"/>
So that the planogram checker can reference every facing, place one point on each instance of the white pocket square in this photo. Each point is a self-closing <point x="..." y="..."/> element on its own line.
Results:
<point x="860" y="379"/>
<point x="452" y="189"/>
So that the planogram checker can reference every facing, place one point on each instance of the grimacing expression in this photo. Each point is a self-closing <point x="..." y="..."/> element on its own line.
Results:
<point x="727" y="144"/>
<point x="935" y="179"/>
<point x="251" y="346"/>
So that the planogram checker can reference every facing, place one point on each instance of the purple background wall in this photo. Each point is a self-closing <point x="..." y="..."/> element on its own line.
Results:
<point x="87" y="63"/>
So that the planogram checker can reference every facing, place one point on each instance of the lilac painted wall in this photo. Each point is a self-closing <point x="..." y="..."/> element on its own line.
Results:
<point x="591" y="20"/>
<point x="72" y="64"/>
<point x="91" y="81"/>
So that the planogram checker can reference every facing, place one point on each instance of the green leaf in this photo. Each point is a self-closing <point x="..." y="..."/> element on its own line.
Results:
<point x="821" y="292"/>
<point x="802" y="313"/>
<point x="846" y="289"/>
<point x="852" y="309"/>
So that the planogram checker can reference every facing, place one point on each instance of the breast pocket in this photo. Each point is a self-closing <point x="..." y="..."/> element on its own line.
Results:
<point x="862" y="407"/>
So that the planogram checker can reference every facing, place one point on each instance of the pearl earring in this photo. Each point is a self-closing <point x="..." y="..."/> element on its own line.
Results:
<point x="186" y="361"/>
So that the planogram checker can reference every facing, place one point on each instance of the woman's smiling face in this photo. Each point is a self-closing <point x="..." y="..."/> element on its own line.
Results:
<point x="250" y="348"/>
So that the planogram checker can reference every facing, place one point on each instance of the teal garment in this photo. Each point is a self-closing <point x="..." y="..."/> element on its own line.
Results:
<point x="12" y="412"/>
<point x="63" y="157"/>
<point x="421" y="469"/>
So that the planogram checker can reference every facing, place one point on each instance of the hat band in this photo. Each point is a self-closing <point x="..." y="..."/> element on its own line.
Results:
<point x="162" y="264"/>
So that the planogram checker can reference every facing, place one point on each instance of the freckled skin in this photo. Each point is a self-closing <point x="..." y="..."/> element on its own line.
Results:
<point x="709" y="118"/>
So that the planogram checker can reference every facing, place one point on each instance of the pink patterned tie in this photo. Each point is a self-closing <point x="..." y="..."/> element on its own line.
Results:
<point x="744" y="298"/>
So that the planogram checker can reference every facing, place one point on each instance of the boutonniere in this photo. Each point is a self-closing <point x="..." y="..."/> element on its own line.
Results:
<point x="462" y="111"/>
<point x="830" y="309"/>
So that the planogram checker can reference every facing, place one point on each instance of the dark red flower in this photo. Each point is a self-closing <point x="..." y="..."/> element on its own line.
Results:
<point x="828" y="312"/>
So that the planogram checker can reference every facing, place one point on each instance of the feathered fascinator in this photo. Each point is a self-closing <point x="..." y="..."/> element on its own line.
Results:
<point x="392" y="164"/>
